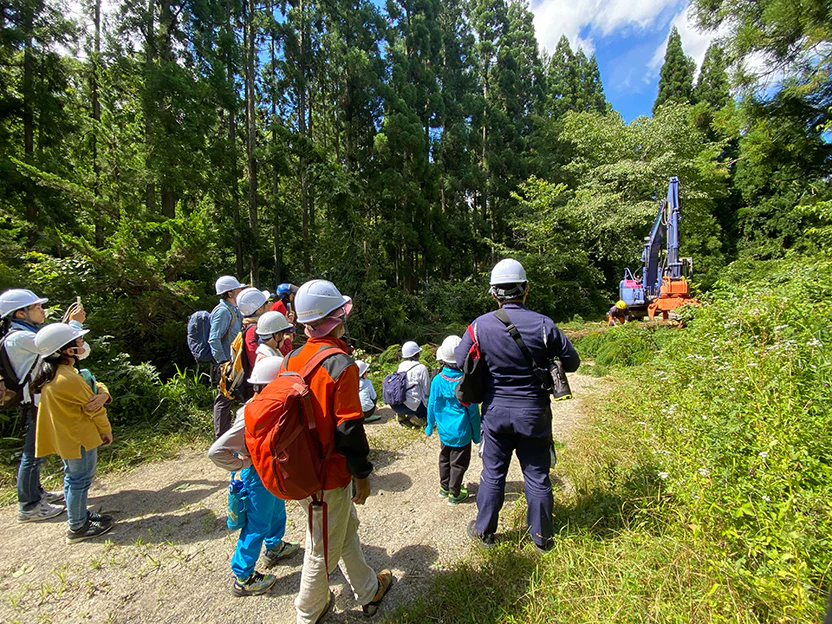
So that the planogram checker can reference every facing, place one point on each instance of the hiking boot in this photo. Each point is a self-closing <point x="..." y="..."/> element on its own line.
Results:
<point x="443" y="492"/>
<point x="91" y="528"/>
<point x="43" y="511"/>
<point x="53" y="498"/>
<point x="546" y="547"/>
<point x="385" y="580"/>
<point x="254" y="585"/>
<point x="483" y="541"/>
<point x="456" y="500"/>
<point x="376" y="416"/>
<point x="327" y="608"/>
<point x="286" y="549"/>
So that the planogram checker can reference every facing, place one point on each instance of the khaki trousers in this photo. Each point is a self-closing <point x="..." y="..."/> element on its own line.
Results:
<point x="344" y="551"/>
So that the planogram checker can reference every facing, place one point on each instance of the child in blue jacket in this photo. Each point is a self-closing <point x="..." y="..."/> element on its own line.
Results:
<point x="457" y="424"/>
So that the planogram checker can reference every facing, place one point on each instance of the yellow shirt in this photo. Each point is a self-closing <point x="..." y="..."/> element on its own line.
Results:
<point x="63" y="425"/>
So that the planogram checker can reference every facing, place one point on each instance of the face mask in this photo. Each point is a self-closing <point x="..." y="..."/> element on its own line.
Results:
<point x="82" y="352"/>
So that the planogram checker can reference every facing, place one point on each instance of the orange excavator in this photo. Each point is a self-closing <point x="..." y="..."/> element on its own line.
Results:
<point x="662" y="285"/>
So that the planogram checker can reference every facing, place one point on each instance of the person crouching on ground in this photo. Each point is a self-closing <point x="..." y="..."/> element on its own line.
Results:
<point x="367" y="393"/>
<point x="71" y="424"/>
<point x="415" y="406"/>
<point x="339" y="423"/>
<point x="265" y="513"/>
<point x="458" y="425"/>
<point x="619" y="312"/>
<point x="272" y="329"/>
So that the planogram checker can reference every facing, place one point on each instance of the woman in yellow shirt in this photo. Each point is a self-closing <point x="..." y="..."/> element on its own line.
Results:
<point x="72" y="423"/>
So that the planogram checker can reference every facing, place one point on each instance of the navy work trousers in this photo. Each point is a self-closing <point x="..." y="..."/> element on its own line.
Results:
<point x="527" y="431"/>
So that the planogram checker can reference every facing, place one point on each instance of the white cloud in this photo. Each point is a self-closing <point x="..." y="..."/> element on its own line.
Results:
<point x="694" y="42"/>
<point x="580" y="19"/>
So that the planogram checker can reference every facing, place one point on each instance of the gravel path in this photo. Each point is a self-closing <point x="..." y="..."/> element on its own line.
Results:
<point x="167" y="559"/>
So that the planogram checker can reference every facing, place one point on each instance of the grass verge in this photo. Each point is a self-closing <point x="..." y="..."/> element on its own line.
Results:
<point x="702" y="485"/>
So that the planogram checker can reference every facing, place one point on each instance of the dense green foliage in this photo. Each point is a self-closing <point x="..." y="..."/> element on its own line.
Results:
<point x="702" y="487"/>
<point x="676" y="79"/>
<point x="398" y="152"/>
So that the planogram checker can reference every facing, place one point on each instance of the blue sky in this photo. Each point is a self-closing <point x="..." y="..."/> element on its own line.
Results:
<point x="628" y="37"/>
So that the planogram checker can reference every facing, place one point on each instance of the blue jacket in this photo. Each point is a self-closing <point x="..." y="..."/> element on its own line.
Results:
<point x="457" y="425"/>
<point x="226" y="323"/>
<point x="511" y="380"/>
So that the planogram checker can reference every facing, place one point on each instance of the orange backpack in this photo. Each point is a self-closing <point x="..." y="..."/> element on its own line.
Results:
<point x="281" y="436"/>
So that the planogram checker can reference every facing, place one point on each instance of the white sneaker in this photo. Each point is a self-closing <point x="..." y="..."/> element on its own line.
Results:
<point x="44" y="511"/>
<point x="53" y="498"/>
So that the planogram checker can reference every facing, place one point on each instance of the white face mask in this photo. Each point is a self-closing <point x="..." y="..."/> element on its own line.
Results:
<point x="82" y="352"/>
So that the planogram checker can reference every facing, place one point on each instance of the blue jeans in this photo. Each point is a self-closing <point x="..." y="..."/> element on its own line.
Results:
<point x="78" y="474"/>
<point x="265" y="522"/>
<point x="421" y="410"/>
<point x="28" y="474"/>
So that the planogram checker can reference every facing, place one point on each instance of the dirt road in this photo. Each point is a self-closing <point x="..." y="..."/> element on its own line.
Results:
<point x="167" y="559"/>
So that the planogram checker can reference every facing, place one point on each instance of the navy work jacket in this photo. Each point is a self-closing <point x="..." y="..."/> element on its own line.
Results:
<point x="511" y="380"/>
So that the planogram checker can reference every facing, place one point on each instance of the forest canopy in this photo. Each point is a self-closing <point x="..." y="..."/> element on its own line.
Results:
<point x="397" y="151"/>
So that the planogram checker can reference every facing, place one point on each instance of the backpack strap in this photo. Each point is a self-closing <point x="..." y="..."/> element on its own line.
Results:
<point x="315" y="361"/>
<point x="504" y="318"/>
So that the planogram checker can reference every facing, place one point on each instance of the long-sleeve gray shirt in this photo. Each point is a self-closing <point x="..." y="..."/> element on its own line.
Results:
<point x="229" y="452"/>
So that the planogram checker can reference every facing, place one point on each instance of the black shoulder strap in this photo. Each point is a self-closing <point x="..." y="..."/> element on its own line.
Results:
<point x="504" y="318"/>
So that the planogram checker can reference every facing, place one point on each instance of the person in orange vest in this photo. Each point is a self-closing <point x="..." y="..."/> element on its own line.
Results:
<point x="339" y="422"/>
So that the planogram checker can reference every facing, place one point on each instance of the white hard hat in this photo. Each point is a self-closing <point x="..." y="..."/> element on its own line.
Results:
<point x="508" y="271"/>
<point x="363" y="367"/>
<point x="251" y="300"/>
<point x="316" y="299"/>
<point x="265" y="370"/>
<point x="410" y="348"/>
<point x="227" y="283"/>
<point x="445" y="353"/>
<point x="54" y="337"/>
<point x="16" y="299"/>
<point x="271" y="323"/>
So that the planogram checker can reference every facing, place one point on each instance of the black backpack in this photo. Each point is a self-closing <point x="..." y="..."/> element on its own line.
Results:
<point x="11" y="388"/>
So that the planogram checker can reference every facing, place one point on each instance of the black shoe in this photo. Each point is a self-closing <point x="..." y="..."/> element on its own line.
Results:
<point x="483" y="541"/>
<point x="92" y="528"/>
<point x="100" y="517"/>
<point x="545" y="547"/>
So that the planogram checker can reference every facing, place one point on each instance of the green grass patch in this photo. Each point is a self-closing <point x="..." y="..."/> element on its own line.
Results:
<point x="701" y="488"/>
<point x="151" y="421"/>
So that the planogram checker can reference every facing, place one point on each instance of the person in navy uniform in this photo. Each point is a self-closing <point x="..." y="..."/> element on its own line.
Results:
<point x="516" y="411"/>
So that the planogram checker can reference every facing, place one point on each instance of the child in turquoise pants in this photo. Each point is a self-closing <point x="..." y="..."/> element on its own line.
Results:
<point x="265" y="513"/>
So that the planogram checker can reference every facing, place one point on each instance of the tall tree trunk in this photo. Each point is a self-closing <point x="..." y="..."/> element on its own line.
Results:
<point x="96" y="119"/>
<point x="149" y="113"/>
<point x="302" y="164"/>
<point x="251" y="129"/>
<point x="167" y="26"/>
<point x="233" y="173"/>
<point x="278" y="252"/>
<point x="29" y="118"/>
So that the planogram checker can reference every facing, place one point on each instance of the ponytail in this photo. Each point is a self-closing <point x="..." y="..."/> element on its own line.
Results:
<point x="45" y="371"/>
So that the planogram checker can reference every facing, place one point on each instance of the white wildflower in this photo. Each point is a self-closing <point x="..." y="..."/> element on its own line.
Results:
<point x="704" y="472"/>
<point x="766" y="499"/>
<point x="763" y="454"/>
<point x="663" y="475"/>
